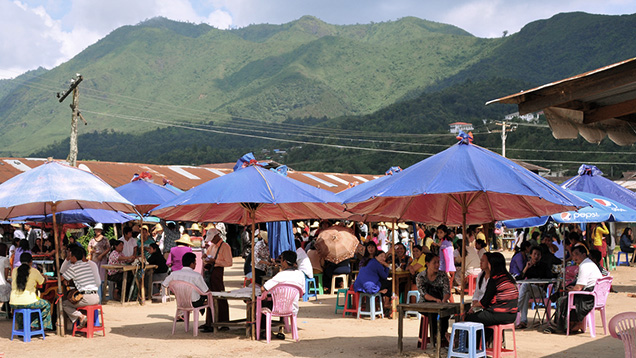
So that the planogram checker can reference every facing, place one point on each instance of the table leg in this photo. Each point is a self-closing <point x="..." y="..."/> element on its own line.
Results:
<point x="249" y="319"/>
<point x="216" y="313"/>
<point x="439" y="336"/>
<point x="123" y="287"/>
<point x="400" y="328"/>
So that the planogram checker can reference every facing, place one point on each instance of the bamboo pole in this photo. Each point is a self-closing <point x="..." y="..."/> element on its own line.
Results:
<point x="394" y="297"/>
<point x="142" y="288"/>
<point x="464" y="238"/>
<point x="253" y="308"/>
<point x="60" y="311"/>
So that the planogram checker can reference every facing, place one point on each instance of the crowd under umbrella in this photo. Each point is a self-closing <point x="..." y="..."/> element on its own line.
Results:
<point x="251" y="195"/>
<point x="590" y="180"/>
<point x="463" y="185"/>
<point x="53" y="187"/>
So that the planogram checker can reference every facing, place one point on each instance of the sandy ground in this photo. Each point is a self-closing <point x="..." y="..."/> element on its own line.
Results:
<point x="145" y="331"/>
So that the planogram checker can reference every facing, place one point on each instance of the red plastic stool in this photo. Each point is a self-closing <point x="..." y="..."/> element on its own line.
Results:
<point x="422" y="340"/>
<point x="351" y="302"/>
<point x="497" y="342"/>
<point x="246" y="280"/>
<point x="94" y="323"/>
<point x="472" y="284"/>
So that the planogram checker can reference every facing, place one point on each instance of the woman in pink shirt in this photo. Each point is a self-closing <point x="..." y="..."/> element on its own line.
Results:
<point x="177" y="252"/>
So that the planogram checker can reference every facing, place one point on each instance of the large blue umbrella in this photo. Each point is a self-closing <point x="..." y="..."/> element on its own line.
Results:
<point x="145" y="195"/>
<point x="89" y="216"/>
<point x="590" y="180"/>
<point x="54" y="187"/>
<point x="600" y="209"/>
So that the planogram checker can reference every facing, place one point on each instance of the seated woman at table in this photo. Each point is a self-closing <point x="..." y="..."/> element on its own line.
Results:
<point x="434" y="286"/>
<point x="537" y="269"/>
<point x="161" y="272"/>
<point x="402" y="260"/>
<point x="176" y="253"/>
<point x="520" y="258"/>
<point x="417" y="265"/>
<point x="500" y="300"/>
<point x="24" y="280"/>
<point x="370" y="250"/>
<point x="116" y="258"/>
<point x="482" y="282"/>
<point x="372" y="278"/>
<point x="626" y="243"/>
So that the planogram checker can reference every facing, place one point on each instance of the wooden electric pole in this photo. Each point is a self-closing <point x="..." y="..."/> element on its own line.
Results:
<point x="505" y="128"/>
<point x="72" y="155"/>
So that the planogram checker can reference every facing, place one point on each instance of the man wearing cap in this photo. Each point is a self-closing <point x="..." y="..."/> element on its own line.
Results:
<point x="218" y="257"/>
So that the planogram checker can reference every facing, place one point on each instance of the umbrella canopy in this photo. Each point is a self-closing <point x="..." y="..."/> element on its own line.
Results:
<point x="35" y="191"/>
<point x="441" y="188"/>
<point x="89" y="216"/>
<point x="146" y="195"/>
<point x="600" y="209"/>
<point x="591" y="180"/>
<point x="232" y="197"/>
<point x="336" y="244"/>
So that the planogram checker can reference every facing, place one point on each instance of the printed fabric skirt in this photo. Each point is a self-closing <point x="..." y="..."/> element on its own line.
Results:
<point x="44" y="306"/>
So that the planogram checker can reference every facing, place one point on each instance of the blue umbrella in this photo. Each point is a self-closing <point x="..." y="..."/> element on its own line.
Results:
<point x="173" y="189"/>
<point x="590" y="180"/>
<point x="90" y="216"/>
<point x="145" y="195"/>
<point x="54" y="187"/>
<point x="600" y="209"/>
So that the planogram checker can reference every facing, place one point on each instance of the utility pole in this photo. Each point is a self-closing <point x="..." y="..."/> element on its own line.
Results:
<point x="505" y="128"/>
<point x="72" y="155"/>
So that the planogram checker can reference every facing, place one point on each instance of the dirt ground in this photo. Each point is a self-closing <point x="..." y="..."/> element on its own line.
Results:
<point x="145" y="331"/>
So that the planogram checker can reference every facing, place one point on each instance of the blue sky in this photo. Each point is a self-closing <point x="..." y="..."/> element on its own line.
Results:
<point x="47" y="33"/>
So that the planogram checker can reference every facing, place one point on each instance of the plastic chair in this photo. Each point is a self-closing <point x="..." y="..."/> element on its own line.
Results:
<point x="467" y="340"/>
<point x="623" y="327"/>
<point x="26" y="332"/>
<point x="283" y="298"/>
<point x="371" y="307"/>
<point x="95" y="322"/>
<point x="410" y="294"/>
<point x="351" y="302"/>
<point x="183" y="293"/>
<point x="618" y="258"/>
<point x="497" y="349"/>
<point x="600" y="293"/>
<point x="339" y="305"/>
<point x="345" y="281"/>
<point x="310" y="289"/>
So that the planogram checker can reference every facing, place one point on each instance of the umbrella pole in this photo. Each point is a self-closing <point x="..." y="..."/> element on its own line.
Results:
<point x="461" y="285"/>
<point x="60" y="312"/>
<point x="394" y="297"/>
<point x="253" y="308"/>
<point x="142" y="259"/>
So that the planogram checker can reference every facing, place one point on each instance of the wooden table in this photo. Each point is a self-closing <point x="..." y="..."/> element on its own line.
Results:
<point x="126" y="268"/>
<point x="441" y="309"/>
<point x="244" y="294"/>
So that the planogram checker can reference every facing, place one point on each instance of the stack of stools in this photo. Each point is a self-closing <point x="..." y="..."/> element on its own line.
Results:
<point x="351" y="302"/>
<point x="467" y="340"/>
<point x="497" y="342"/>
<point x="371" y="310"/>
<point x="94" y="323"/>
<point x="26" y="331"/>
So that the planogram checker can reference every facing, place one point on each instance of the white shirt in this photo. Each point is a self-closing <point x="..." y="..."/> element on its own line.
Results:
<point x="19" y="234"/>
<point x="480" y="290"/>
<point x="588" y="274"/>
<point x="188" y="275"/>
<point x="129" y="246"/>
<point x="294" y="277"/>
<point x="304" y="263"/>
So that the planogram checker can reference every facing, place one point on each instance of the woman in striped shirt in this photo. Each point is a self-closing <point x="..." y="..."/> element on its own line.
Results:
<point x="499" y="303"/>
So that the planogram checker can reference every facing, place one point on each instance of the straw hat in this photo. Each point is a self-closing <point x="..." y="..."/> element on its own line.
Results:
<point x="184" y="239"/>
<point x="195" y="227"/>
<point x="389" y="225"/>
<point x="16" y="226"/>
<point x="403" y="226"/>
<point x="263" y="235"/>
<point x="315" y="225"/>
<point x="144" y="227"/>
<point x="301" y="224"/>
<point x="98" y="226"/>
<point x="209" y="226"/>
<point x="157" y="228"/>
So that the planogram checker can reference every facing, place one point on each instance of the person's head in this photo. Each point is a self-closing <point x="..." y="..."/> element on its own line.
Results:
<point x="535" y="236"/>
<point x="400" y="250"/>
<point x="417" y="251"/>
<point x="16" y="242"/>
<point x="627" y="232"/>
<point x="497" y="263"/>
<point x="24" y="245"/>
<point x="27" y="227"/>
<point x="596" y="256"/>
<point x="432" y="262"/>
<point x="370" y="249"/>
<point x="213" y="235"/>
<point x="38" y="241"/>
<point x="547" y="239"/>
<point x="152" y="248"/>
<point x="23" y="270"/>
<point x="189" y="260"/>
<point x="144" y="231"/>
<point x="483" y="263"/>
<point x="480" y="244"/>
<point x="535" y="254"/>
<point x="442" y="231"/>
<point x="128" y="232"/>
<point x="579" y="253"/>
<point x="117" y="245"/>
<point x="98" y="229"/>
<point x="380" y="255"/>
<point x="525" y="247"/>
<point x="171" y="225"/>
<point x="77" y="254"/>
<point x="288" y="259"/>
<point x="374" y="229"/>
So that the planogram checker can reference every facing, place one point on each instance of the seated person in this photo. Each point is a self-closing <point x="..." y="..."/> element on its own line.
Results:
<point x="402" y="260"/>
<point x="24" y="280"/>
<point x="548" y="257"/>
<point x="520" y="258"/>
<point x="317" y="261"/>
<point x="303" y="262"/>
<point x="187" y="274"/>
<point x="156" y="258"/>
<point x="117" y="258"/>
<point x="499" y="303"/>
<point x="585" y="281"/>
<point x="482" y="282"/>
<point x="370" y="250"/>
<point x="535" y="268"/>
<point x="472" y="263"/>
<point x="86" y="279"/>
<point x="417" y="265"/>
<point x="626" y="243"/>
<point x="372" y="278"/>
<point x="434" y="286"/>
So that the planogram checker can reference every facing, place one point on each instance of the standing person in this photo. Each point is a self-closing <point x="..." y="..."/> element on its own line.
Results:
<point x="31" y="235"/>
<point x="434" y="286"/>
<point x="170" y="236"/>
<point x="24" y="280"/>
<point x="5" y="271"/>
<point x="85" y="277"/>
<point x="246" y="252"/>
<point x="219" y="256"/>
<point x="130" y="243"/>
<point x="176" y="253"/>
<point x="98" y="249"/>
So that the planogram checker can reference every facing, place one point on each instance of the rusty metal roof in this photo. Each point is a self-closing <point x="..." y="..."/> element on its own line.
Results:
<point x="594" y="104"/>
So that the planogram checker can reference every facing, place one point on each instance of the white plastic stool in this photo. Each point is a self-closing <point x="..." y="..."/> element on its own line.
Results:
<point x="163" y="291"/>
<point x="467" y="346"/>
<point x="345" y="282"/>
<point x="371" y="307"/>
<point x="410" y="294"/>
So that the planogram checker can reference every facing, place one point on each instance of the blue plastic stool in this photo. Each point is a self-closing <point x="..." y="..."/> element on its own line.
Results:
<point x="618" y="259"/>
<point x="467" y="341"/>
<point x="410" y="294"/>
<point x="309" y="290"/>
<point x="371" y="307"/>
<point x="26" y="331"/>
<point x="339" y="305"/>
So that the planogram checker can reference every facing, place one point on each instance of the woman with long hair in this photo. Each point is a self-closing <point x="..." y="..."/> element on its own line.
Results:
<point x="434" y="286"/>
<point x="23" y="247"/>
<point x="626" y="243"/>
<point x="23" y="290"/>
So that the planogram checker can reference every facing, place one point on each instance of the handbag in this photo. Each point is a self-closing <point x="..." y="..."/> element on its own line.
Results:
<point x="74" y="296"/>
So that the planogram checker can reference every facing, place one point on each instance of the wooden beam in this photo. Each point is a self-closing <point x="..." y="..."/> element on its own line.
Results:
<point x="611" y="111"/>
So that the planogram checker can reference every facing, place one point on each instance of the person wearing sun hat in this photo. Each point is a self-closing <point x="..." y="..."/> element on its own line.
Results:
<point x="176" y="253"/>
<point x="216" y="258"/>
<point x="98" y="249"/>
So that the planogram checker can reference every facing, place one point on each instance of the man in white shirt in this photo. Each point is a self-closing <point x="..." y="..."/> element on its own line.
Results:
<point x="288" y="274"/>
<point x="130" y="244"/>
<point x="188" y="274"/>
